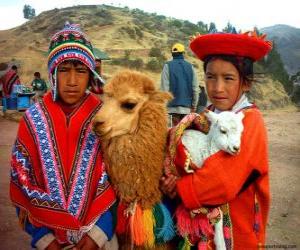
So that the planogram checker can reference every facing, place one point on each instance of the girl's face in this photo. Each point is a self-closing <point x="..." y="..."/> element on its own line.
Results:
<point x="223" y="84"/>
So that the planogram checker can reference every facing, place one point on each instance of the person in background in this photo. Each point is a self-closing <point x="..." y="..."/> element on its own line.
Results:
<point x="39" y="86"/>
<point x="58" y="180"/>
<point x="9" y="80"/>
<point x="3" y="69"/>
<point x="202" y="101"/>
<point x="179" y="77"/>
<point x="239" y="182"/>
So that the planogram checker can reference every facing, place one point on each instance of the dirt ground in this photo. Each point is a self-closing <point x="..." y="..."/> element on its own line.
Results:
<point x="284" y="149"/>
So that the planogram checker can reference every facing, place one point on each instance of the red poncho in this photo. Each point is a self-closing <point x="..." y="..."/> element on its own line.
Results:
<point x="8" y="81"/>
<point x="57" y="173"/>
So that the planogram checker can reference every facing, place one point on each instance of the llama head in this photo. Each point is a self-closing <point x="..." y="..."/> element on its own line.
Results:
<point x="226" y="130"/>
<point x="124" y="97"/>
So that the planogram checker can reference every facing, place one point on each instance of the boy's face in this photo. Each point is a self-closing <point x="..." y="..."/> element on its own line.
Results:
<point x="73" y="79"/>
<point x="223" y="84"/>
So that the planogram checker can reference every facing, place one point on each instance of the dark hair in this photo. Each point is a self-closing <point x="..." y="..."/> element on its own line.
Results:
<point x="37" y="74"/>
<point x="14" y="67"/>
<point x="244" y="66"/>
<point x="75" y="62"/>
<point x="174" y="54"/>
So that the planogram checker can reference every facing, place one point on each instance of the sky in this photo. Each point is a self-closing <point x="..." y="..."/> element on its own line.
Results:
<point x="243" y="14"/>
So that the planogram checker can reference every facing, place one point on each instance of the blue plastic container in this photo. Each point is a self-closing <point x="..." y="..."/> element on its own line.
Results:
<point x="23" y="101"/>
<point x="12" y="103"/>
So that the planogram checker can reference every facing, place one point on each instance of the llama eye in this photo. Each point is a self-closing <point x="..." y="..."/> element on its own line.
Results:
<point x="128" y="105"/>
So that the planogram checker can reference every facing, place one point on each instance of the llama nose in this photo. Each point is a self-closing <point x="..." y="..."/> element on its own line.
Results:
<point x="236" y="148"/>
<point x="97" y="126"/>
<point x="98" y="123"/>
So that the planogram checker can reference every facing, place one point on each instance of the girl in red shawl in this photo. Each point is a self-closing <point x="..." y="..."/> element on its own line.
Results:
<point x="241" y="181"/>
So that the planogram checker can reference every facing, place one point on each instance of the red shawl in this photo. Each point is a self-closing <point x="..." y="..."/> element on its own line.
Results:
<point x="8" y="80"/>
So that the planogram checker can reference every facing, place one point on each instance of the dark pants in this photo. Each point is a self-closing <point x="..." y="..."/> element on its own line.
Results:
<point x="175" y="119"/>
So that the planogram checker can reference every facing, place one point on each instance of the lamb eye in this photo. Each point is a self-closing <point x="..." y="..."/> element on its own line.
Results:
<point x="223" y="131"/>
<point x="128" y="105"/>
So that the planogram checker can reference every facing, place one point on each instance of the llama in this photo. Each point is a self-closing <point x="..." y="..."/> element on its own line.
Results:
<point x="132" y="125"/>
<point x="224" y="134"/>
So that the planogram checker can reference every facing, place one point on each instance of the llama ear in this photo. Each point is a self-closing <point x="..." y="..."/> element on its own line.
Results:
<point x="160" y="96"/>
<point x="108" y="88"/>
<point x="211" y="116"/>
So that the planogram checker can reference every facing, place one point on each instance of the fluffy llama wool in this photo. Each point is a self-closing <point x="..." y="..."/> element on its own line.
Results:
<point x="133" y="127"/>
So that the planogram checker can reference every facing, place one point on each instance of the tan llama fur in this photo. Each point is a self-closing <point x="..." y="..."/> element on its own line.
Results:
<point x="132" y="124"/>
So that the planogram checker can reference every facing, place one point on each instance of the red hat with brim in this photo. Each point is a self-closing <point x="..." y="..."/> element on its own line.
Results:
<point x="246" y="45"/>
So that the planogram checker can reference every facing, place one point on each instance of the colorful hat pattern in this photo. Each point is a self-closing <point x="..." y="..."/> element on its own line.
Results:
<point x="70" y="43"/>
<point x="248" y="44"/>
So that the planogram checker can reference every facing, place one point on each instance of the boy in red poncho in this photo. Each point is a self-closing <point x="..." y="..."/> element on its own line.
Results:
<point x="58" y="179"/>
<point x="241" y="181"/>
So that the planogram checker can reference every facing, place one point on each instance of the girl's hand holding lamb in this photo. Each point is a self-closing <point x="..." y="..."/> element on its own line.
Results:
<point x="168" y="185"/>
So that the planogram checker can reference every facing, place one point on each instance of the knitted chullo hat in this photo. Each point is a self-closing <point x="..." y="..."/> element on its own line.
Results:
<point x="71" y="43"/>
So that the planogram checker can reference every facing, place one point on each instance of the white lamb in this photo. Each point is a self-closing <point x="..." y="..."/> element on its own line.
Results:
<point x="224" y="134"/>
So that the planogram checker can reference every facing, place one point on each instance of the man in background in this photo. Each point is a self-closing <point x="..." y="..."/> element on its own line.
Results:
<point x="202" y="102"/>
<point x="179" y="77"/>
<point x="39" y="86"/>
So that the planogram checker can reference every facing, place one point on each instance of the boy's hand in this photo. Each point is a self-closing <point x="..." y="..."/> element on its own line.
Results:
<point x="86" y="243"/>
<point x="54" y="245"/>
<point x="168" y="185"/>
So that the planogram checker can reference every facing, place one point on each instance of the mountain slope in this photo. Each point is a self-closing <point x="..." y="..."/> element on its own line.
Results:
<point x="117" y="31"/>
<point x="287" y="40"/>
<point x="111" y="29"/>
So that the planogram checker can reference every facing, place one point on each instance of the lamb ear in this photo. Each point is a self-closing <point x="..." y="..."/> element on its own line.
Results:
<point x="241" y="115"/>
<point x="211" y="116"/>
